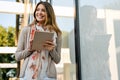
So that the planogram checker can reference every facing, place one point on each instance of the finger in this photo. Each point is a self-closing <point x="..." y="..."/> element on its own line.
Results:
<point x="49" y="47"/>
<point x="49" y="43"/>
<point x="51" y="40"/>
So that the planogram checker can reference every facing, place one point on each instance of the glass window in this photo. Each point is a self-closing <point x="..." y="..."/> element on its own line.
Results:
<point x="99" y="39"/>
<point x="68" y="3"/>
<point x="66" y="69"/>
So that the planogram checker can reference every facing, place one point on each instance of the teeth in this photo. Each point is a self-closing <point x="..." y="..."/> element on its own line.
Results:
<point x="39" y="16"/>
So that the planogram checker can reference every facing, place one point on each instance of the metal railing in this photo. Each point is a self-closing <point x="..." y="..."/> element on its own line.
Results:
<point x="8" y="50"/>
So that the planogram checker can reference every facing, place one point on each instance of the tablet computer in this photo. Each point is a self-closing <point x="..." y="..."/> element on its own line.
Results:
<point x="40" y="38"/>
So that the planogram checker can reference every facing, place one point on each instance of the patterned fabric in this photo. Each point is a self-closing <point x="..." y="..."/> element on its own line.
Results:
<point x="38" y="61"/>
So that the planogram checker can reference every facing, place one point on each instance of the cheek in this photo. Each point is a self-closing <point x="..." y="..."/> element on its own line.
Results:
<point x="45" y="15"/>
<point x="36" y="12"/>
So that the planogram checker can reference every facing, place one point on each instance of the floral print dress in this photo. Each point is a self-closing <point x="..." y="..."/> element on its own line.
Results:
<point x="38" y="61"/>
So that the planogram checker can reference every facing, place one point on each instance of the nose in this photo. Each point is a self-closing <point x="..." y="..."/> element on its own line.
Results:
<point x="40" y="11"/>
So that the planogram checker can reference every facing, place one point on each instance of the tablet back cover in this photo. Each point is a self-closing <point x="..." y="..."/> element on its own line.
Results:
<point x="40" y="38"/>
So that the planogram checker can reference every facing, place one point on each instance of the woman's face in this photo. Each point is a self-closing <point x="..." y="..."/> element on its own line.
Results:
<point x="41" y="14"/>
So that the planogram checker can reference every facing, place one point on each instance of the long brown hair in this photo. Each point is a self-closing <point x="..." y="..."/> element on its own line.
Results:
<point x="51" y="18"/>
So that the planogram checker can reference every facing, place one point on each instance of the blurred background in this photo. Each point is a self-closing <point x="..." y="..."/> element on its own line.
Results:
<point x="90" y="37"/>
<point x="16" y="14"/>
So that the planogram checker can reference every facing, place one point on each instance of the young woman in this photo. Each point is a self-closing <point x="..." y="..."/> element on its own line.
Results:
<point x="40" y="64"/>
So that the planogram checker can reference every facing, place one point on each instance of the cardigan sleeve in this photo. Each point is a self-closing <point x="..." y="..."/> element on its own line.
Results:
<point x="56" y="52"/>
<point x="22" y="52"/>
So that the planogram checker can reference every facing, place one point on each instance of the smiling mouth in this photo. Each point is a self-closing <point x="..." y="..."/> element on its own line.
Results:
<point x="40" y="17"/>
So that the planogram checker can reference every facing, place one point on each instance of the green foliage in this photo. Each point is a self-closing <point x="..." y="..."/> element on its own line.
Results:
<point x="11" y="36"/>
<point x="3" y="36"/>
<point x="7" y="38"/>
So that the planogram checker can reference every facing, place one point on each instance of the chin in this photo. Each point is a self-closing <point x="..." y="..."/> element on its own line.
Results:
<point x="39" y="20"/>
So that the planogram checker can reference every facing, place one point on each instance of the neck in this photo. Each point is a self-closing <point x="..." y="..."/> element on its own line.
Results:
<point x="41" y="25"/>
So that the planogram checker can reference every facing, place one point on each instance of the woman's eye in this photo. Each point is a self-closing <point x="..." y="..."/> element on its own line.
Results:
<point x="43" y="10"/>
<point x="37" y="9"/>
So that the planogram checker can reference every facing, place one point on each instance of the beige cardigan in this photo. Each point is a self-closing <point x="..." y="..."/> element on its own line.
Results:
<point x="23" y="53"/>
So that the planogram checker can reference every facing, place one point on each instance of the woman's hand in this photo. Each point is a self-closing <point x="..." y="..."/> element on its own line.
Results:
<point x="30" y="47"/>
<point x="49" y="45"/>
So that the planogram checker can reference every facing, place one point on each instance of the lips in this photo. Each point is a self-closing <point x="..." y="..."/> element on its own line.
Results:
<point x="39" y="16"/>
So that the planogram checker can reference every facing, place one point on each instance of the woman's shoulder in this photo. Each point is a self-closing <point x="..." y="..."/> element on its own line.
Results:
<point x="25" y="29"/>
